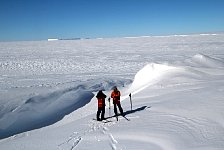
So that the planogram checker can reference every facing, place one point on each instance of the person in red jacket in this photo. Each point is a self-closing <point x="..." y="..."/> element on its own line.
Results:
<point x="115" y="95"/>
<point x="101" y="105"/>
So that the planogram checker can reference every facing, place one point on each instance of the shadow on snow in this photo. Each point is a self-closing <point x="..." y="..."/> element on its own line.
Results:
<point x="130" y="112"/>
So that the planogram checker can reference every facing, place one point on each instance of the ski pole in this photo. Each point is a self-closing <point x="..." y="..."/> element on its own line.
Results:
<point x="130" y="100"/>
<point x="109" y="106"/>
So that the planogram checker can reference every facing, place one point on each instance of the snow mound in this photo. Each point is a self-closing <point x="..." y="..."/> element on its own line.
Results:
<point x="207" y="61"/>
<point x="151" y="74"/>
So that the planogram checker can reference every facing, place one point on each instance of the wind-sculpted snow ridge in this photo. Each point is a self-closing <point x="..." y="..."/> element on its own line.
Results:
<point x="202" y="60"/>
<point x="151" y="74"/>
<point x="43" y="110"/>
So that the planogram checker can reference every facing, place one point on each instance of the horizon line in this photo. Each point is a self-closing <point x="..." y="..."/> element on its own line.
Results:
<point x="114" y="37"/>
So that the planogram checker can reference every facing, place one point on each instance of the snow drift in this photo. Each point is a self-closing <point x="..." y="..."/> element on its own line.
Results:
<point x="202" y="60"/>
<point x="151" y="74"/>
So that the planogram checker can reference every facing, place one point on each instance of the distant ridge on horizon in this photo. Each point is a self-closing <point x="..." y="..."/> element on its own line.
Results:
<point x="144" y="36"/>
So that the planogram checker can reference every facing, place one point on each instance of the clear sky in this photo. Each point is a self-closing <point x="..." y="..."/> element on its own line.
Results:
<point x="43" y="19"/>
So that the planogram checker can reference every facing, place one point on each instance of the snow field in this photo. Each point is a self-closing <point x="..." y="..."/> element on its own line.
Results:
<point x="177" y="96"/>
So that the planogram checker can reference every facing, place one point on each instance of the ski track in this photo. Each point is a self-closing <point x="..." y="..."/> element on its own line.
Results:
<point x="104" y="128"/>
<point x="71" y="142"/>
<point x="96" y="128"/>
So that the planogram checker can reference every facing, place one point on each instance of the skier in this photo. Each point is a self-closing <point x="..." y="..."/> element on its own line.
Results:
<point x="116" y="101"/>
<point x="101" y="105"/>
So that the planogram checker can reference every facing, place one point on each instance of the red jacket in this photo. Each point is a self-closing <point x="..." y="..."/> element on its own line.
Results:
<point x="116" y="96"/>
<point x="101" y="99"/>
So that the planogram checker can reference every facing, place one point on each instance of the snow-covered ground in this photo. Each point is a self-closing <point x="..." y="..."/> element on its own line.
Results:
<point x="47" y="93"/>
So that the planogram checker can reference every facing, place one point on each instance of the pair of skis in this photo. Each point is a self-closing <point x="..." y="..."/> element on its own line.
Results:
<point x="118" y="115"/>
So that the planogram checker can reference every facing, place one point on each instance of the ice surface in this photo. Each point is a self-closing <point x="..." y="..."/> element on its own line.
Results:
<point x="177" y="85"/>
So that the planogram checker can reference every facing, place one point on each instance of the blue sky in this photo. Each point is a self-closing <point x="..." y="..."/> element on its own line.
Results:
<point x="43" y="19"/>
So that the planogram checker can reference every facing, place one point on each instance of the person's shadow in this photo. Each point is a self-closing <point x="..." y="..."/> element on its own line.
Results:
<point x="130" y="112"/>
<point x="136" y="110"/>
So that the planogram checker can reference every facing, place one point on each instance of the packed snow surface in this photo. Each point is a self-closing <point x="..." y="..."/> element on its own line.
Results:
<point x="47" y="93"/>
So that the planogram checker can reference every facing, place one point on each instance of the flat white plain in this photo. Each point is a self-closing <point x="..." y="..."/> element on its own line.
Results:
<point x="47" y="93"/>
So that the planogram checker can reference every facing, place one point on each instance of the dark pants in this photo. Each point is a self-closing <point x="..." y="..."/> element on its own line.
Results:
<point x="120" y="108"/>
<point x="101" y="110"/>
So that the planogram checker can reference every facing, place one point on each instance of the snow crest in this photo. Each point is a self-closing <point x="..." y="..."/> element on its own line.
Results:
<point x="201" y="60"/>
<point x="150" y="74"/>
